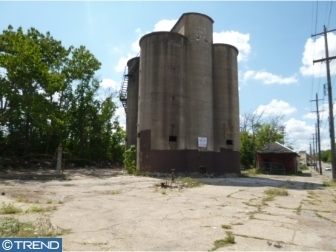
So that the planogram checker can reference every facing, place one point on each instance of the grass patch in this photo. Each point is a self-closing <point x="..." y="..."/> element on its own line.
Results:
<point x="9" y="209"/>
<point x="298" y="209"/>
<point x="163" y="192"/>
<point x="11" y="227"/>
<point x="271" y="193"/>
<point x="328" y="183"/>
<point x="304" y="168"/>
<point x="190" y="182"/>
<point x="226" y="226"/>
<point x="111" y="192"/>
<point x="321" y="216"/>
<point x="39" y="209"/>
<point x="49" y="201"/>
<point x="251" y="171"/>
<point x="229" y="239"/>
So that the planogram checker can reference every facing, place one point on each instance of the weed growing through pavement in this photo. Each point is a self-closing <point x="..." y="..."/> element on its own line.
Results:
<point x="229" y="239"/>
<point x="226" y="226"/>
<point x="328" y="183"/>
<point x="298" y="209"/>
<point x="323" y="217"/>
<point x="40" y="209"/>
<point x="12" y="227"/>
<point x="111" y="192"/>
<point x="271" y="193"/>
<point x="190" y="182"/>
<point x="9" y="209"/>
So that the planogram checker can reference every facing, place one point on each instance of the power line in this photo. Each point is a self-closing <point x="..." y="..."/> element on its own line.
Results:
<point x="331" y="2"/>
<point x="316" y="16"/>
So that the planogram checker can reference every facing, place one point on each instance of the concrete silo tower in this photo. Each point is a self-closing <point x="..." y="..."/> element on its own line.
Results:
<point x="187" y="102"/>
<point x="129" y="97"/>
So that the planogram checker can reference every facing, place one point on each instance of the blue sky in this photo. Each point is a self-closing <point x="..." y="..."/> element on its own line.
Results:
<point x="276" y="74"/>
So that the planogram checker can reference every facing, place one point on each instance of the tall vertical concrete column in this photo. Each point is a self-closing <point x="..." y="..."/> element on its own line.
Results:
<point x="226" y="97"/>
<point x="132" y="101"/>
<point x="161" y="116"/>
<point x="199" y="93"/>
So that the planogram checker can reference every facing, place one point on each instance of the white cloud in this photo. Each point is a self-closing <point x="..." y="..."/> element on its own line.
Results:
<point x="269" y="78"/>
<point x="299" y="134"/>
<point x="275" y="108"/>
<point x="164" y="25"/>
<point x="122" y="63"/>
<point x="237" y="39"/>
<point x="109" y="83"/>
<point x="315" y="50"/>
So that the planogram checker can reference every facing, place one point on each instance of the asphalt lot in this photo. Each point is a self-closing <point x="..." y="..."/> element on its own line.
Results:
<point x="107" y="210"/>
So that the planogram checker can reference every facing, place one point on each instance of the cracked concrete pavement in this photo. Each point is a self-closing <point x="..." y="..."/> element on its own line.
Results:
<point x="108" y="211"/>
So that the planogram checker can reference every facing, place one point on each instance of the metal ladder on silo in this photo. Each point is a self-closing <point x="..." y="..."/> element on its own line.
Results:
<point x="123" y="90"/>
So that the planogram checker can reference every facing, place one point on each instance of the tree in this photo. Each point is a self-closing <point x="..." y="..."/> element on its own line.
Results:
<point x="256" y="132"/>
<point x="49" y="95"/>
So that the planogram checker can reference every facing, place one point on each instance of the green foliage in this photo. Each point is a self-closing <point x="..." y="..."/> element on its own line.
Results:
<point x="271" y="193"/>
<point x="229" y="239"/>
<point x="326" y="156"/>
<point x="49" y="95"/>
<point x="130" y="160"/>
<point x="9" y="209"/>
<point x="190" y="182"/>
<point x="11" y="227"/>
<point x="329" y="183"/>
<point x="255" y="135"/>
<point x="252" y="171"/>
<point x="246" y="150"/>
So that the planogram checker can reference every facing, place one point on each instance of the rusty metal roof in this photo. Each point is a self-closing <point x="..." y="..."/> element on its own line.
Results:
<point x="276" y="148"/>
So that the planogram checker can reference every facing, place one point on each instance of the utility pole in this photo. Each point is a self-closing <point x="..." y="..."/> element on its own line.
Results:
<point x="310" y="154"/>
<point x="330" y="98"/>
<point x="314" y="157"/>
<point x="318" y="136"/>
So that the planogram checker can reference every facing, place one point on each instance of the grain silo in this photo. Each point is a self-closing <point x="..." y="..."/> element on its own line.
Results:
<point x="226" y="106"/>
<point x="199" y="94"/>
<point x="188" y="103"/>
<point x="161" y="116"/>
<point x="129" y="97"/>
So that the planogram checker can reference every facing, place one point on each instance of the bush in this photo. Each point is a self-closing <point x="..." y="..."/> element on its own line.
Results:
<point x="130" y="160"/>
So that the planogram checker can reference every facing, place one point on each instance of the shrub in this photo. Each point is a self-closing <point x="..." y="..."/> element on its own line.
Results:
<point x="130" y="160"/>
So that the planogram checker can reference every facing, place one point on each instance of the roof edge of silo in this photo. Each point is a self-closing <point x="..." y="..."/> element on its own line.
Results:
<point x="191" y="13"/>
<point x="158" y="32"/>
<point x="224" y="44"/>
<point x="136" y="57"/>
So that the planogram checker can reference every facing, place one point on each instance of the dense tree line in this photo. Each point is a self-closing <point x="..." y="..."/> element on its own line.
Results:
<point x="255" y="133"/>
<point x="49" y="96"/>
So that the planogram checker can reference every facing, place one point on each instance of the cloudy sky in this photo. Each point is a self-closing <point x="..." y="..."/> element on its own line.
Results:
<point x="276" y="50"/>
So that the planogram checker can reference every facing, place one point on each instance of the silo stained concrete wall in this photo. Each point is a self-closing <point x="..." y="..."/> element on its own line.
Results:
<point x="161" y="114"/>
<point x="226" y="108"/>
<point x="132" y="102"/>
<point x="199" y="93"/>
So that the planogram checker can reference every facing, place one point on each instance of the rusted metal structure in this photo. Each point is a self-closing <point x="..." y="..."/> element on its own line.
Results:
<point x="183" y="100"/>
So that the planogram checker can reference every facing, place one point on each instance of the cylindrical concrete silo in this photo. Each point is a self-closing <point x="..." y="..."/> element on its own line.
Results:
<point x="226" y="102"/>
<point x="198" y="29"/>
<point x="132" y="101"/>
<point x="161" y="111"/>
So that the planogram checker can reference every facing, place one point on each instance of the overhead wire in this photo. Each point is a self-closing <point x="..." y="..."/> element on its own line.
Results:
<point x="331" y="2"/>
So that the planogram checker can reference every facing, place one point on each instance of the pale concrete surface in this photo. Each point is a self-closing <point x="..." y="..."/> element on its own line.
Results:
<point x="109" y="211"/>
